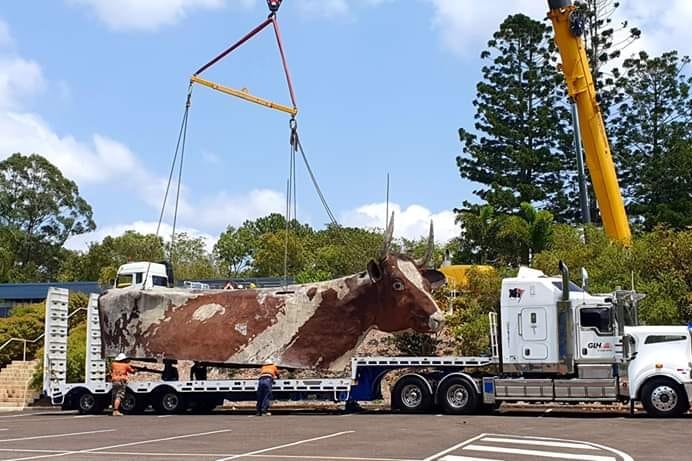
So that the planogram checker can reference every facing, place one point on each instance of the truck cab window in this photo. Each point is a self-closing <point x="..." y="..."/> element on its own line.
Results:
<point x="572" y="286"/>
<point x="654" y="339"/>
<point x="159" y="281"/>
<point x="123" y="280"/>
<point x="139" y="277"/>
<point x="597" y="318"/>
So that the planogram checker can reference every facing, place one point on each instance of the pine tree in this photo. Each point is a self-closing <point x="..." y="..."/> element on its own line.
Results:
<point x="520" y="146"/>
<point x="652" y="144"/>
<point x="604" y="40"/>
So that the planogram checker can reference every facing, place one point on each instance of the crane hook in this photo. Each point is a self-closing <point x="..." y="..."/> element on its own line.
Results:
<point x="274" y="5"/>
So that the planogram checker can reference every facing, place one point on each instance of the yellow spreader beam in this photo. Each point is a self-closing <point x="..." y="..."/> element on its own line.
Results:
<point x="244" y="95"/>
<point x="580" y="86"/>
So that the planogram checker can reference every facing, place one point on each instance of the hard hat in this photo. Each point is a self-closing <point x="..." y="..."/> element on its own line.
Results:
<point x="269" y="362"/>
<point x="120" y="357"/>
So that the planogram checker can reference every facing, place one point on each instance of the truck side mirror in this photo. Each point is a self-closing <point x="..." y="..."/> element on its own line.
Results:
<point x="584" y="279"/>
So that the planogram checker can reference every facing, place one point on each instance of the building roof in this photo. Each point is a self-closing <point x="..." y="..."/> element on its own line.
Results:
<point x="30" y="291"/>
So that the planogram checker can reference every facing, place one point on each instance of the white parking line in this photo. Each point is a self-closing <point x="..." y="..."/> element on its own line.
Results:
<point x="546" y="443"/>
<point x="465" y="458"/>
<point x="22" y="415"/>
<point x="256" y="452"/>
<point x="198" y="455"/>
<point x="53" y="436"/>
<point x="455" y="447"/>
<point x="129" y="444"/>
<point x="621" y="454"/>
<point x="164" y="416"/>
<point x="43" y="420"/>
<point x="113" y="454"/>
<point x="3" y="429"/>
<point x="544" y="454"/>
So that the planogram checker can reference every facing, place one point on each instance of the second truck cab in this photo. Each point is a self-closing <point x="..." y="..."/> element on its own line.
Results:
<point x="133" y="274"/>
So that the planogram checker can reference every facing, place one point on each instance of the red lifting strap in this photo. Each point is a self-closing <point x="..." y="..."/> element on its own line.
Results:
<point x="270" y="20"/>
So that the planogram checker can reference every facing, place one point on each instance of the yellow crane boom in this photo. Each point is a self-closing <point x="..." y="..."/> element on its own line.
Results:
<point x="568" y="26"/>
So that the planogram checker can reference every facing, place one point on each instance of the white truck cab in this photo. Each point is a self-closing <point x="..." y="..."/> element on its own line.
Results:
<point x="570" y="344"/>
<point x="660" y="366"/>
<point x="133" y="274"/>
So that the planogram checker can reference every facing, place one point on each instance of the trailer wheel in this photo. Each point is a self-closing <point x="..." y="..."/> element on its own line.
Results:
<point x="457" y="396"/>
<point x="411" y="394"/>
<point x="663" y="397"/>
<point x="133" y="403"/>
<point x="168" y="401"/>
<point x="88" y="403"/>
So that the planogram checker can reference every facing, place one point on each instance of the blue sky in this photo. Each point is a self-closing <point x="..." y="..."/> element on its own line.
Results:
<point x="98" y="87"/>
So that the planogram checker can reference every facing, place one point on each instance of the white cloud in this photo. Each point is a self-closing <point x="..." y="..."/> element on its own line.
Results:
<point x="412" y="222"/>
<point x="664" y="25"/>
<point x="224" y="209"/>
<point x="81" y="242"/>
<point x="19" y="79"/>
<point x="147" y="14"/>
<point x="466" y="25"/>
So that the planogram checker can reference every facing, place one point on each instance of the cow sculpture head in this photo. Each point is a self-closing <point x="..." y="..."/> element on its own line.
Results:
<point x="403" y="288"/>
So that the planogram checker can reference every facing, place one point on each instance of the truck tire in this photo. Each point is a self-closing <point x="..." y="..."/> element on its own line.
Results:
<point x="411" y="394"/>
<point x="457" y="396"/>
<point x="168" y="401"/>
<point x="663" y="398"/>
<point x="133" y="403"/>
<point x="88" y="403"/>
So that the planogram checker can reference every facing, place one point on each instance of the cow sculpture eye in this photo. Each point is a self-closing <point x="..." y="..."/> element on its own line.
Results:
<point x="398" y="285"/>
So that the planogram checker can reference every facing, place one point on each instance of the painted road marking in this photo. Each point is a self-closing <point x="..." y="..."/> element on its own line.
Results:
<point x="198" y="455"/>
<point x="621" y="454"/>
<point x="164" y="416"/>
<point x="465" y="458"/>
<point x="52" y="436"/>
<point x="455" y="447"/>
<point x="540" y="453"/>
<point x="546" y="443"/>
<point x="129" y="444"/>
<point x="22" y="415"/>
<point x="39" y="420"/>
<point x="256" y="452"/>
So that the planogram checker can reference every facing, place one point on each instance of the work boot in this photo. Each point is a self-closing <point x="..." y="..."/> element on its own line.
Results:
<point x="117" y="413"/>
<point x="267" y="413"/>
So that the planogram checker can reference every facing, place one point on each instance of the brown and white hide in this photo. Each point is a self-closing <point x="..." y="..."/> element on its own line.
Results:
<point x="315" y="325"/>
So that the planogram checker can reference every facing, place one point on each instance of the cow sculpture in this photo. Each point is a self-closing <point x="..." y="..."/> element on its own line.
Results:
<point x="315" y="325"/>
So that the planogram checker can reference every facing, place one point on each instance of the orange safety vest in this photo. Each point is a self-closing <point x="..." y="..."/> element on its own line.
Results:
<point x="120" y="370"/>
<point x="269" y="370"/>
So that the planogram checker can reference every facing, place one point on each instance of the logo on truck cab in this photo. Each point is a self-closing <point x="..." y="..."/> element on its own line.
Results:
<point x="516" y="292"/>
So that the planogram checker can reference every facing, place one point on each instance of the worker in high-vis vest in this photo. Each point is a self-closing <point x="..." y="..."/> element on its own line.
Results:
<point x="268" y="373"/>
<point x="120" y="371"/>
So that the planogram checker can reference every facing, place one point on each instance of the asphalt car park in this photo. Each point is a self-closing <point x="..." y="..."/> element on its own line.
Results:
<point x="369" y="436"/>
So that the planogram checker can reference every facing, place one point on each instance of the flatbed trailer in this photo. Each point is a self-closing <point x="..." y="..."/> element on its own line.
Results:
<point x="93" y="394"/>
<point x="550" y="347"/>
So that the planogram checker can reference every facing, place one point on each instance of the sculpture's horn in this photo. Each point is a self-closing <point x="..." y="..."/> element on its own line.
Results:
<point x="428" y="250"/>
<point x="388" y="234"/>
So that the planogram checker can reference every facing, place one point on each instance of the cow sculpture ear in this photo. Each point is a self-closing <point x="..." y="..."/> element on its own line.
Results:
<point x="374" y="270"/>
<point x="436" y="278"/>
